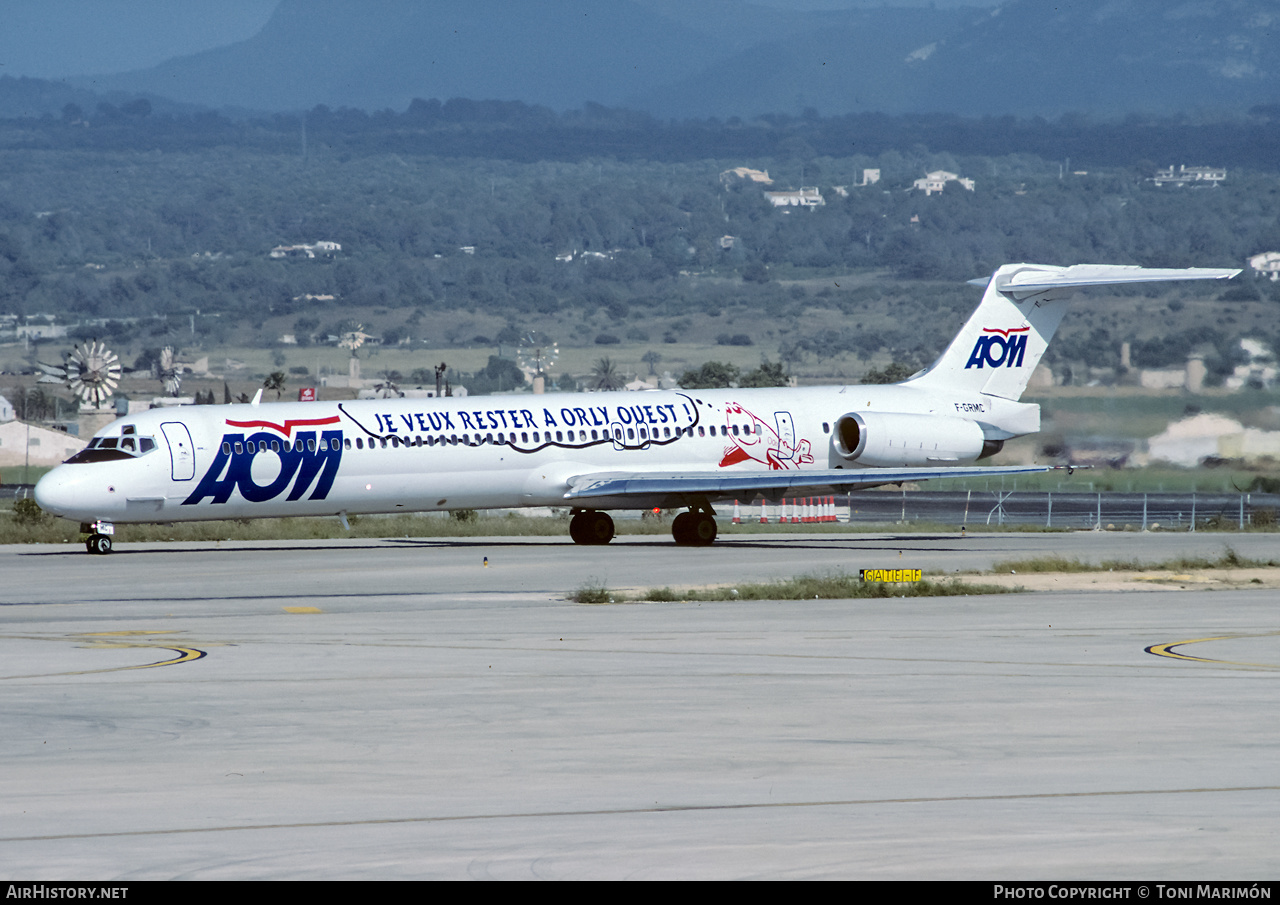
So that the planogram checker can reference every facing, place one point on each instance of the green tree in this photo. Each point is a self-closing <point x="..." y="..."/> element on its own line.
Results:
<point x="894" y="372"/>
<point x="275" y="381"/>
<point x="499" y="375"/>
<point x="28" y="513"/>
<point x="36" y="405"/>
<point x="769" y="374"/>
<point x="605" y="375"/>
<point x="711" y="375"/>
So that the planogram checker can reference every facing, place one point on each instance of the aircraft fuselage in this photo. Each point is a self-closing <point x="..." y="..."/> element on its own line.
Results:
<point x="483" y="452"/>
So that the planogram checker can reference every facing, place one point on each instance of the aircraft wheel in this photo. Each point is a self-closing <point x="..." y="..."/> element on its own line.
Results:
<point x="591" y="528"/>
<point x="703" y="530"/>
<point x="680" y="528"/>
<point x="99" y="544"/>
<point x="599" y="528"/>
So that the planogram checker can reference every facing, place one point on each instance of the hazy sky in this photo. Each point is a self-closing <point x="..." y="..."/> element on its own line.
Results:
<point x="55" y="38"/>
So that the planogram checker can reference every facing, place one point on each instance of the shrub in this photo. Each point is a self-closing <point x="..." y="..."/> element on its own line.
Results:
<point x="28" y="512"/>
<point x="593" y="592"/>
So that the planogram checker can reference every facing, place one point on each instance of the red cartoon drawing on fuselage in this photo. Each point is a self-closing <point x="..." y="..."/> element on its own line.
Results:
<point x="760" y="442"/>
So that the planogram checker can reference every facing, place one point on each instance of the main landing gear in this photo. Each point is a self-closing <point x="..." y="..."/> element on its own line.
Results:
<point x="99" y="539"/>
<point x="590" y="527"/>
<point x="694" y="529"/>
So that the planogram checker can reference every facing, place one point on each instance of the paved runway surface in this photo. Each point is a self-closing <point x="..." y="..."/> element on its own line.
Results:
<point x="394" y="709"/>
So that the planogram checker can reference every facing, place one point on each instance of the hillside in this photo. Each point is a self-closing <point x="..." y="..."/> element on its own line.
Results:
<point x="1109" y="56"/>
<point x="383" y="53"/>
<point x="715" y="58"/>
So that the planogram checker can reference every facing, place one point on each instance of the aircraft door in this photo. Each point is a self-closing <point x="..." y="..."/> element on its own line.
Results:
<point x="786" y="435"/>
<point x="181" y="452"/>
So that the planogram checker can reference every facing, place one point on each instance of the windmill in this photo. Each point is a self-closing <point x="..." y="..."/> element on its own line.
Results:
<point x="91" y="372"/>
<point x="167" y="369"/>
<point x="387" y="387"/>
<point x="354" y="339"/>
<point x="537" y="352"/>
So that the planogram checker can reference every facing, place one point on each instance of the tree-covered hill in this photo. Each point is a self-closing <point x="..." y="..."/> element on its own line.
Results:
<point x="119" y="213"/>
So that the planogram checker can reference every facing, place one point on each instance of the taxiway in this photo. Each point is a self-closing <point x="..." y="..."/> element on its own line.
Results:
<point x="397" y="709"/>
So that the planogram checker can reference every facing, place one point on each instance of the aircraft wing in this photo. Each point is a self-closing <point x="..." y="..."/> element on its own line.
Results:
<point x="588" y="487"/>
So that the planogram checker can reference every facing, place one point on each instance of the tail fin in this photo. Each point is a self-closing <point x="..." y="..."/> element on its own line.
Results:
<point x="999" y="347"/>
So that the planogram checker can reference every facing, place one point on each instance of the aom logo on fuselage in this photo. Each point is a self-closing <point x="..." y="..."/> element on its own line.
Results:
<point x="999" y="347"/>
<point x="304" y="460"/>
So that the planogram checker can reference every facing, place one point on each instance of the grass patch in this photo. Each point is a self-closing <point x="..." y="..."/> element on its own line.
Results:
<point x="21" y="523"/>
<point x="21" y="526"/>
<point x="594" y="591"/>
<point x="24" y="528"/>
<point x="1228" y="560"/>
<point x="833" y="586"/>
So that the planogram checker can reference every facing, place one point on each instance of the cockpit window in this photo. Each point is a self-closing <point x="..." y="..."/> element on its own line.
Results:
<point x="97" y="454"/>
<point x="107" y="449"/>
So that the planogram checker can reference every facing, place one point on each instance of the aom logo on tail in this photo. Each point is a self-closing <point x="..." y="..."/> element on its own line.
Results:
<point x="996" y="347"/>
<point x="261" y="467"/>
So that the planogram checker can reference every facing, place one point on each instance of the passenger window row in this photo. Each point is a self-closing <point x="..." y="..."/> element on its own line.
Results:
<point x="274" y="446"/>
<point x="524" y="437"/>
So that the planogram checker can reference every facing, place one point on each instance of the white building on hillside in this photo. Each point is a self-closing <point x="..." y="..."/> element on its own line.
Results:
<point x="746" y="173"/>
<point x="808" y="196"/>
<point x="1267" y="263"/>
<point x="1259" y="369"/>
<point x="937" y="181"/>
<point x="321" y="249"/>
<point x="1186" y="175"/>
<point x="1190" y="441"/>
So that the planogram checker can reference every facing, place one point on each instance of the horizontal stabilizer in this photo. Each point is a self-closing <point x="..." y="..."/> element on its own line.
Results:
<point x="1039" y="279"/>
<point x="595" y="486"/>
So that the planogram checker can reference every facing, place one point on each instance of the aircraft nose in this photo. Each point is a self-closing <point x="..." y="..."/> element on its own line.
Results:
<point x="55" y="494"/>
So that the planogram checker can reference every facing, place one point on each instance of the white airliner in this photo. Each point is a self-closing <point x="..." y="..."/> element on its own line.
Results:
<point x="591" y="452"/>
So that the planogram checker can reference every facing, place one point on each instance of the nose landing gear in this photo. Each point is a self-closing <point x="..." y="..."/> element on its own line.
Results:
<point x="99" y="539"/>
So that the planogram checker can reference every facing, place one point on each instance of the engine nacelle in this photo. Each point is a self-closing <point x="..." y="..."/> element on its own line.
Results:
<point x="890" y="440"/>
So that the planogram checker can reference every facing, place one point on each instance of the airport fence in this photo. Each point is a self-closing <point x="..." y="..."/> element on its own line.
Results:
<point x="1111" y="511"/>
<point x="996" y="509"/>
